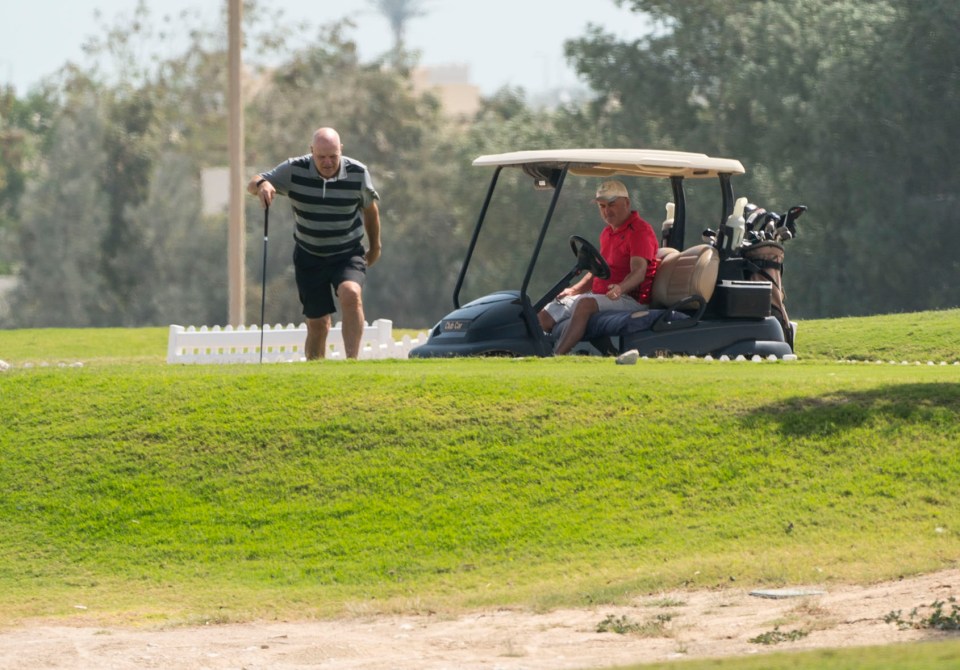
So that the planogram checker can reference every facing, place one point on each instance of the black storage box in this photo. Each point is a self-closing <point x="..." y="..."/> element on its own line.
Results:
<point x="742" y="299"/>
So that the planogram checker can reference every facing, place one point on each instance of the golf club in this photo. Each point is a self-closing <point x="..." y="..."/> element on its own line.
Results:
<point x="790" y="218"/>
<point x="667" y="226"/>
<point x="770" y="222"/>
<point x="263" y="288"/>
<point x="755" y="216"/>
<point x="750" y="213"/>
<point x="781" y="234"/>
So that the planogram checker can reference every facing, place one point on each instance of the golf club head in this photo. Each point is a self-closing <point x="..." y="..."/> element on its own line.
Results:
<point x="790" y="219"/>
<point x="771" y="221"/>
<point x="782" y="234"/>
<point x="794" y="212"/>
<point x="755" y="216"/>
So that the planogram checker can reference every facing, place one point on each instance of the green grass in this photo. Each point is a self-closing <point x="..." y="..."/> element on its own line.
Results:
<point x="917" y="656"/>
<point x="150" y="492"/>
<point x="920" y="336"/>
<point x="96" y="346"/>
<point x="468" y="482"/>
<point x="88" y="345"/>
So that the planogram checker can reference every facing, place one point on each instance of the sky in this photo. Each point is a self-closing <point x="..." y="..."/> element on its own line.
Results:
<point x="503" y="42"/>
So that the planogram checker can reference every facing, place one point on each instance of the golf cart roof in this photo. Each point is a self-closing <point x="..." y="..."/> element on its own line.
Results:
<point x="627" y="162"/>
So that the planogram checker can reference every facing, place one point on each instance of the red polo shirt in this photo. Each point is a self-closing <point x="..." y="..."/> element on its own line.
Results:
<point x="634" y="237"/>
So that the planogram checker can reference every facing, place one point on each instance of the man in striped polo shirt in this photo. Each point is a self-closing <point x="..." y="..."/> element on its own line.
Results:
<point x="334" y="203"/>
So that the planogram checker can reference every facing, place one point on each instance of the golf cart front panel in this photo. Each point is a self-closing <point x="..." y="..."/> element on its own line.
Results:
<point x="489" y="326"/>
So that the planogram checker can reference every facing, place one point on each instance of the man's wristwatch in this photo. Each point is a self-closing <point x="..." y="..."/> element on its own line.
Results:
<point x="259" y="183"/>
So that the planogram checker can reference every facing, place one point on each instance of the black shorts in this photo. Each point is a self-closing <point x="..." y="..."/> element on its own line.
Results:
<point x="318" y="278"/>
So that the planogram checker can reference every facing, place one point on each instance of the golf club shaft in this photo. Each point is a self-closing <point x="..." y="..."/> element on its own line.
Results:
<point x="263" y="287"/>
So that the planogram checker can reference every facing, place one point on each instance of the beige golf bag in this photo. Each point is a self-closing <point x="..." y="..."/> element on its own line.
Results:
<point x="764" y="262"/>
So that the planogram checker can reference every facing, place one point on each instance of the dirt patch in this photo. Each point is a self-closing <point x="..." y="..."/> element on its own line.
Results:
<point x="657" y="627"/>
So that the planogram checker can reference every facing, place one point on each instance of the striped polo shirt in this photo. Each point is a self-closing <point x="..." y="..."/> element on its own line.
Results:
<point x="328" y="212"/>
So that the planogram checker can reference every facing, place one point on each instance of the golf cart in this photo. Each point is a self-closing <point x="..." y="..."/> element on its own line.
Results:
<point x="706" y="299"/>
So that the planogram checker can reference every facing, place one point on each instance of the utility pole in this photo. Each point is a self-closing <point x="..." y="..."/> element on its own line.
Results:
<point x="236" y="239"/>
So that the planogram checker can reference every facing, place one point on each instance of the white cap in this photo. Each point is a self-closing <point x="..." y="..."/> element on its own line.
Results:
<point x="610" y="190"/>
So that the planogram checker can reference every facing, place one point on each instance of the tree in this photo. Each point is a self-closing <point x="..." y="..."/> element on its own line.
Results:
<point x="399" y="13"/>
<point x="179" y="252"/>
<point x="64" y="218"/>
<point x="839" y="104"/>
<point x="24" y="129"/>
<point x="142" y="254"/>
<point x="886" y="139"/>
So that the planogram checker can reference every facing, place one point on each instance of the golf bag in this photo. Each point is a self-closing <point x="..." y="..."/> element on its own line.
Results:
<point x="764" y="262"/>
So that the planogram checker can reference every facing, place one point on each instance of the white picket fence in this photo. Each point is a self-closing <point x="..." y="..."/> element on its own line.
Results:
<point x="280" y="344"/>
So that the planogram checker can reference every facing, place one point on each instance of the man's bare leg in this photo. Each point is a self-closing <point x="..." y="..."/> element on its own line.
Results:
<point x="351" y="305"/>
<point x="317" y="331"/>
<point x="584" y="309"/>
<point x="546" y="321"/>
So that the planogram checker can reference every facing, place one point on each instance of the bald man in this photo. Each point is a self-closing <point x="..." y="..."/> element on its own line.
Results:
<point x="334" y="205"/>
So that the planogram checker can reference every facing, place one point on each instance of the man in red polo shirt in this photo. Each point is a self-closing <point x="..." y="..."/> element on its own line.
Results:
<point x="629" y="246"/>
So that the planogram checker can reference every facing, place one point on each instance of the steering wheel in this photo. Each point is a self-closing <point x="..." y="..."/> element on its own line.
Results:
<point x="588" y="258"/>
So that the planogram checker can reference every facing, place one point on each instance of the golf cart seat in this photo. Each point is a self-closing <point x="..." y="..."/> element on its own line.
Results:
<point x="686" y="280"/>
<point x="682" y="287"/>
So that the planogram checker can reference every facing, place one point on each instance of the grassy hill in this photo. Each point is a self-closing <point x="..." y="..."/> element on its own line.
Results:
<point x="188" y="493"/>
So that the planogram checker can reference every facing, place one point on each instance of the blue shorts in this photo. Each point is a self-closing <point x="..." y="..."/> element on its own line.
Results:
<point x="319" y="276"/>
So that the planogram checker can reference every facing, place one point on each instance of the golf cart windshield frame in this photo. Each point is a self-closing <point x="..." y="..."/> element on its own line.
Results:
<point x="529" y="311"/>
